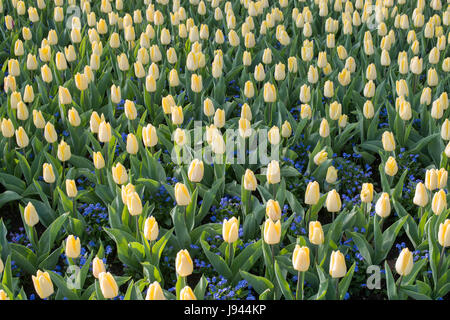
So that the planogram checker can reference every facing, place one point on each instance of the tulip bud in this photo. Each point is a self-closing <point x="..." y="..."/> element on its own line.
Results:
<point x="274" y="135"/>
<point x="71" y="188"/>
<point x="312" y="193"/>
<point x="30" y="216"/>
<point x="443" y="234"/>
<point x="328" y="89"/>
<point x="183" y="263"/>
<point x="99" y="162"/>
<point x="182" y="196"/>
<point x="300" y="258"/>
<point x="324" y="129"/>
<point x="366" y="192"/>
<point x="64" y="153"/>
<point x="196" y="83"/>
<point x="151" y="230"/>
<point x="338" y="269"/>
<point x="104" y="132"/>
<point x="149" y="136"/>
<point x="250" y="181"/>
<point x="388" y="141"/>
<point x="48" y="174"/>
<point x="368" y="110"/>
<point x="179" y="136"/>
<point x="119" y="174"/>
<point x="132" y="144"/>
<point x="333" y="201"/>
<point x="391" y="167"/>
<point x="134" y="203"/>
<point x="273" y="172"/>
<point x="43" y="284"/>
<point x="270" y="93"/>
<point x="219" y="118"/>
<point x="331" y="175"/>
<point x="439" y="202"/>
<point x="404" y="263"/>
<point x="421" y="195"/>
<point x="64" y="95"/>
<point x="442" y="176"/>
<point x="208" y="107"/>
<point x="320" y="157"/>
<point x="74" y="118"/>
<point x="305" y="111"/>
<point x="154" y="292"/>
<point x="383" y="205"/>
<point x="286" y="129"/>
<point x="97" y="267"/>
<point x="22" y="138"/>
<point x="431" y="179"/>
<point x="273" y="210"/>
<point x="316" y="235"/>
<point x="22" y="111"/>
<point x="195" y="172"/>
<point x="108" y="285"/>
<point x="73" y="247"/>
<point x="187" y="294"/>
<point x="272" y="231"/>
<point x="230" y="230"/>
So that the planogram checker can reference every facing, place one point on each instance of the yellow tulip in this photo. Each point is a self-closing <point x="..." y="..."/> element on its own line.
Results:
<point x="108" y="285"/>
<point x="183" y="263"/>
<point x="404" y="263"/>
<point x="230" y="230"/>
<point x="43" y="284"/>
<point x="300" y="258"/>
<point x="30" y="216"/>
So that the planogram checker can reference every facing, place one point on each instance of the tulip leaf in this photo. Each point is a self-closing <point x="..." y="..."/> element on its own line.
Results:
<point x="207" y="200"/>
<point x="260" y="284"/>
<point x="24" y="258"/>
<point x="50" y="234"/>
<point x="49" y="261"/>
<point x="345" y="282"/>
<point x="216" y="260"/>
<point x="284" y="285"/>
<point x="397" y="193"/>
<point x="191" y="210"/>
<point x="178" y="215"/>
<point x="200" y="288"/>
<point x="61" y="283"/>
<point x="158" y="247"/>
<point x="7" y="279"/>
<point x="388" y="238"/>
<point x="323" y="284"/>
<point x="246" y="259"/>
<point x="8" y="196"/>
<point x="365" y="249"/>
<point x="390" y="283"/>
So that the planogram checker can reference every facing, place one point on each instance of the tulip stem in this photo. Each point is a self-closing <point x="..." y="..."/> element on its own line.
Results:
<point x="137" y="227"/>
<point x="300" y="285"/>
<point x="273" y="192"/>
<point x="441" y="258"/>
<point x="273" y="255"/>
<point x="399" y="283"/>
<point x="337" y="289"/>
<point x="307" y="216"/>
<point x="73" y="207"/>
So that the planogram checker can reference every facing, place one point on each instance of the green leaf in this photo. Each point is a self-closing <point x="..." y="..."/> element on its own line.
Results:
<point x="62" y="286"/>
<point x="8" y="196"/>
<point x="217" y="261"/>
<point x="200" y="288"/>
<point x="390" y="283"/>
<point x="284" y="285"/>
<point x="345" y="282"/>
<point x="260" y="284"/>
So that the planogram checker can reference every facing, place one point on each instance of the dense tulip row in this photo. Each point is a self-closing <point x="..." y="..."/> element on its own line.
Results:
<point x="132" y="106"/>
